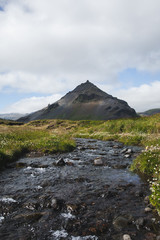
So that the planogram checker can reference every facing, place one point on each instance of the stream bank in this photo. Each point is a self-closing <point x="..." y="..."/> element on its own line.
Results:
<point x="85" y="194"/>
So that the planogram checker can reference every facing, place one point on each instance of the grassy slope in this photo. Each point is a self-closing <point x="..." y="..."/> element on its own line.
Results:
<point x="151" y="112"/>
<point x="16" y="140"/>
<point x="47" y="136"/>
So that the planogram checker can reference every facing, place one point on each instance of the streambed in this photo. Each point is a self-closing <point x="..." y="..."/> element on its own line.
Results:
<point x="85" y="194"/>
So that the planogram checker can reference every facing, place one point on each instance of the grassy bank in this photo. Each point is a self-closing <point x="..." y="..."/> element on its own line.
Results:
<point x="144" y="131"/>
<point x="16" y="141"/>
<point x="49" y="136"/>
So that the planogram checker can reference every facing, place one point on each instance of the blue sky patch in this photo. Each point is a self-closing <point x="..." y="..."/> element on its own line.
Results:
<point x="131" y="77"/>
<point x="8" y="98"/>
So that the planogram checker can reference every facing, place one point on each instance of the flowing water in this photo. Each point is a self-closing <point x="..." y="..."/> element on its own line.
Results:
<point x="85" y="194"/>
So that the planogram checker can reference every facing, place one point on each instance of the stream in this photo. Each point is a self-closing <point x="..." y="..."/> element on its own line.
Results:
<point x="87" y="194"/>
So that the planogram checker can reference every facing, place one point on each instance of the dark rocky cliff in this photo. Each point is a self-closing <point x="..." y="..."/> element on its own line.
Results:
<point x="86" y="101"/>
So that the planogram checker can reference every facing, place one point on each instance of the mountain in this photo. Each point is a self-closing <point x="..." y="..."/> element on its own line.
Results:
<point x="86" y="101"/>
<point x="12" y="116"/>
<point x="150" y="112"/>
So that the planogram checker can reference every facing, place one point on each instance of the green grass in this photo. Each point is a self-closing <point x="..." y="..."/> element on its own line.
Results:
<point x="144" y="131"/>
<point x="10" y="122"/>
<point x="50" y="136"/>
<point x="148" y="164"/>
<point x="15" y="142"/>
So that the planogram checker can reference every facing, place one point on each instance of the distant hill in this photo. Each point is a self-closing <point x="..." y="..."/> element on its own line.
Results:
<point x="86" y="101"/>
<point x="9" y="122"/>
<point x="12" y="116"/>
<point x="150" y="112"/>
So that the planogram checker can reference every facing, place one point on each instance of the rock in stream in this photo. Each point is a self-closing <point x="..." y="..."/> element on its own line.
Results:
<point x="85" y="194"/>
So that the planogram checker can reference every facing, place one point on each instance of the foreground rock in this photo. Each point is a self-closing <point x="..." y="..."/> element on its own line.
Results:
<point x="126" y="237"/>
<point x="98" y="162"/>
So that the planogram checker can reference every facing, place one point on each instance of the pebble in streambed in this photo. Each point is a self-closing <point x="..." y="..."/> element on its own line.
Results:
<point x="87" y="194"/>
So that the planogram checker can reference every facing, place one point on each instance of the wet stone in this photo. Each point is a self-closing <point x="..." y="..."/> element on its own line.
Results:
<point x="117" y="146"/>
<point x="127" y="155"/>
<point x="54" y="203"/>
<point x="20" y="165"/>
<point x="45" y="183"/>
<point x="146" y="200"/>
<point x="30" y="216"/>
<point x="31" y="205"/>
<point x="71" y="208"/>
<point x="147" y="209"/>
<point x="34" y="165"/>
<point x="43" y="166"/>
<point x="61" y="162"/>
<point x="129" y="150"/>
<point x="123" y="150"/>
<point x="126" y="237"/>
<point x="115" y="153"/>
<point x="120" y="166"/>
<point x="82" y="179"/>
<point x="76" y="158"/>
<point x="139" y="223"/>
<point x="81" y="148"/>
<point x="120" y="222"/>
<point x="139" y="193"/>
<point x="46" y="202"/>
<point x="98" y="162"/>
<point x="69" y="163"/>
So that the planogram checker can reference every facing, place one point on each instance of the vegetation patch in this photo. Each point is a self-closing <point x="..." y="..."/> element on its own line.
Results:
<point x="143" y="131"/>
<point x="51" y="136"/>
<point x="10" y="122"/>
<point x="148" y="163"/>
<point x="15" y="142"/>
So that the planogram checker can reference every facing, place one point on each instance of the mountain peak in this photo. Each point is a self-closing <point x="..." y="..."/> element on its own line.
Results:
<point x="84" y="86"/>
<point x="86" y="101"/>
<point x="88" y="89"/>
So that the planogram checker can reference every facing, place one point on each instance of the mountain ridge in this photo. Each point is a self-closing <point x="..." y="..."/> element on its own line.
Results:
<point x="86" y="101"/>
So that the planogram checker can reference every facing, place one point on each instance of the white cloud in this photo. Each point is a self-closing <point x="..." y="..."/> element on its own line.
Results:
<point x="27" y="82"/>
<point x="79" y="40"/>
<point x="142" y="98"/>
<point x="32" y="104"/>
<point x="51" y="46"/>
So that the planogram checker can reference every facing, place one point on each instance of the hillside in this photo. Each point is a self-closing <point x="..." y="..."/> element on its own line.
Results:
<point x="150" y="112"/>
<point x="86" y="101"/>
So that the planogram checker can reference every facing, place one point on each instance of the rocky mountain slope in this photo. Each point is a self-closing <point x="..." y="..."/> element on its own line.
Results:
<point x="86" y="101"/>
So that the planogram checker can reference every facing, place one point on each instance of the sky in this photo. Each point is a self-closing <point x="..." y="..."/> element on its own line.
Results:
<point x="48" y="47"/>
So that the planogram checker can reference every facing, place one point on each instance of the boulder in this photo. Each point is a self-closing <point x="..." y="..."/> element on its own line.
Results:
<point x="120" y="222"/>
<point x="98" y="162"/>
<point x="126" y="237"/>
<point x="61" y="162"/>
